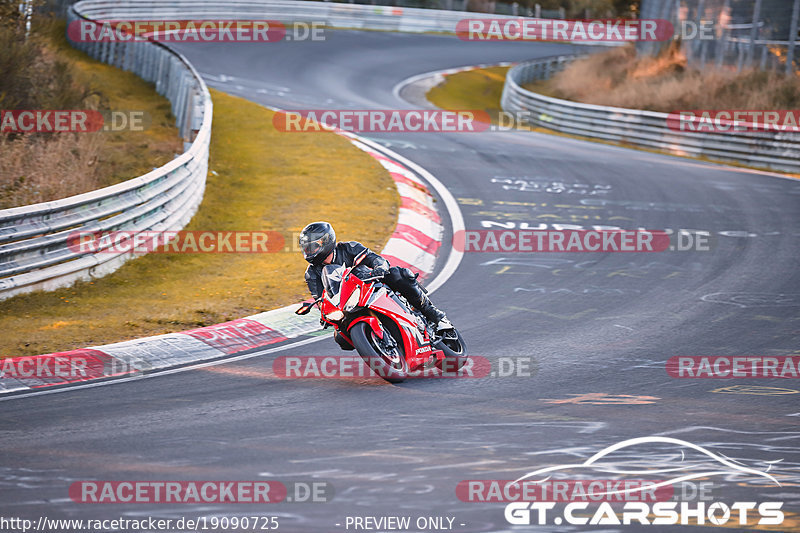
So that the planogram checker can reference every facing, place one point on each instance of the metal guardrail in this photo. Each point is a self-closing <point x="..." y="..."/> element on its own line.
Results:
<point x="766" y="149"/>
<point x="35" y="252"/>
<point x="330" y="14"/>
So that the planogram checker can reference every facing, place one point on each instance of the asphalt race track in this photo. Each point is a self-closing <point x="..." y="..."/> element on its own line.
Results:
<point x="595" y="330"/>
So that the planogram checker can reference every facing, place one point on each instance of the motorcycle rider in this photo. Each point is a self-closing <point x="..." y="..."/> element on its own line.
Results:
<point x="319" y="247"/>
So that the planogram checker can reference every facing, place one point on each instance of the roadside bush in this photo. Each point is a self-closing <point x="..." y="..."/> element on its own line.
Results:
<point x="33" y="77"/>
<point x="37" y="167"/>
<point x="621" y="78"/>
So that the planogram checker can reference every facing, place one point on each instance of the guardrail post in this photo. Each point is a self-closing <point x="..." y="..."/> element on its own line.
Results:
<point x="792" y="38"/>
<point x="722" y="43"/>
<point x="697" y="44"/>
<point x="753" y="32"/>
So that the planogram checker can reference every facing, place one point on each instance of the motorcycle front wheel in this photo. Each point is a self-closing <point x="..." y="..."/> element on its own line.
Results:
<point x="454" y="348"/>
<point x="385" y="360"/>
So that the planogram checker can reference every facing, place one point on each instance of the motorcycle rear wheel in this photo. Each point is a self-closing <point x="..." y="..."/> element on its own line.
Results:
<point x="390" y="364"/>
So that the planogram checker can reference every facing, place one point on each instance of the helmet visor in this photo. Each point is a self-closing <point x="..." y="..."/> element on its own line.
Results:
<point x="312" y="248"/>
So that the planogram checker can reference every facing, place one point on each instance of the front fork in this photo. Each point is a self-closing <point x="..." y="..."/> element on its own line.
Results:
<point x="371" y="320"/>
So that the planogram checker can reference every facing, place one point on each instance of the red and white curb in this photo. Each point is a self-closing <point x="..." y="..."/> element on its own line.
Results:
<point x="414" y="244"/>
<point x="418" y="235"/>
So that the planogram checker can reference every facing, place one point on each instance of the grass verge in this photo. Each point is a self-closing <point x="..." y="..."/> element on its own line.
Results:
<point x="471" y="89"/>
<point x="262" y="180"/>
<point x="477" y="89"/>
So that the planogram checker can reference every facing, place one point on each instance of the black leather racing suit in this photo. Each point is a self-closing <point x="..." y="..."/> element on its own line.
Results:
<point x="400" y="280"/>
<point x="344" y="254"/>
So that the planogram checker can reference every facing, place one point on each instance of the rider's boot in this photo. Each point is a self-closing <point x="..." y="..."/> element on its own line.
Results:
<point x="434" y="314"/>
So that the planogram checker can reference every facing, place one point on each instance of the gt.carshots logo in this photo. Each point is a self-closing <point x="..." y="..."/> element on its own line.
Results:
<point x="539" y="498"/>
<point x="385" y="120"/>
<point x="530" y="29"/>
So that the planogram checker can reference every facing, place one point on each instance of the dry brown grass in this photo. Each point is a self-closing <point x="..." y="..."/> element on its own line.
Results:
<point x="36" y="170"/>
<point x="664" y="83"/>
<point x="46" y="73"/>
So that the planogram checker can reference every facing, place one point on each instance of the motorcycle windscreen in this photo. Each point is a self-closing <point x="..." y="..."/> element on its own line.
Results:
<point x="332" y="281"/>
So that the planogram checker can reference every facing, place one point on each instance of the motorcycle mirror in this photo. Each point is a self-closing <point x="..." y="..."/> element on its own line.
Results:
<point x="305" y="309"/>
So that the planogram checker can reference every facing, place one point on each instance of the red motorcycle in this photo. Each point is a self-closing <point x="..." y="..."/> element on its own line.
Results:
<point x="392" y="337"/>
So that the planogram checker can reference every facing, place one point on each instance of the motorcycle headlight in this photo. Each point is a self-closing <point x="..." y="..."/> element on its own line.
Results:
<point x="335" y="315"/>
<point x="352" y="302"/>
